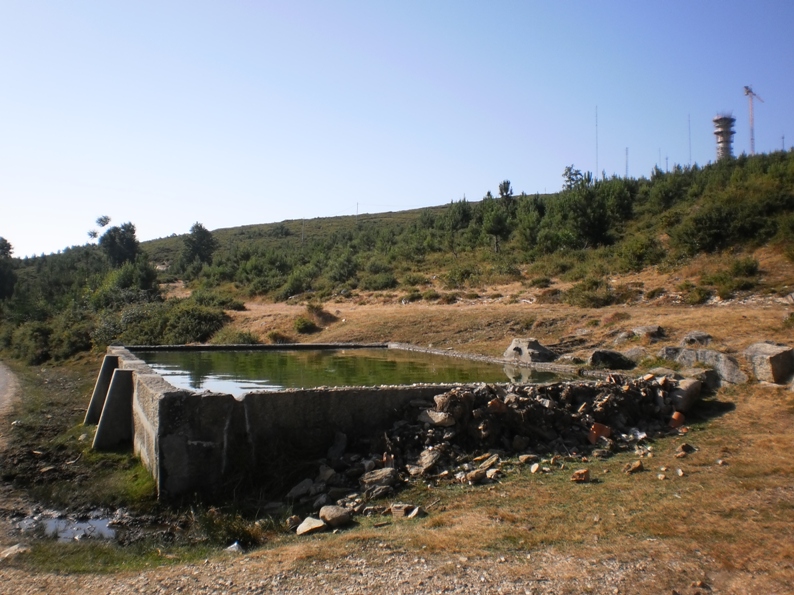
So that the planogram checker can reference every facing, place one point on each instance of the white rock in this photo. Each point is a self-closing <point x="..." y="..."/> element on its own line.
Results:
<point x="311" y="525"/>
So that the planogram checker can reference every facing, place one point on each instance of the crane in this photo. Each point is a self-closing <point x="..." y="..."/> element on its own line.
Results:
<point x="750" y="95"/>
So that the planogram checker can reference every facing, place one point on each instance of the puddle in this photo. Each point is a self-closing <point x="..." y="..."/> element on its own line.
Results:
<point x="65" y="529"/>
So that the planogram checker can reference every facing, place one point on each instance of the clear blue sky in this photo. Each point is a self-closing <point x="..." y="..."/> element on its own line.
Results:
<point x="229" y="113"/>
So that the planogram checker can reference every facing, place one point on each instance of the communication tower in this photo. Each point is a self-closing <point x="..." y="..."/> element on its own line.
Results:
<point x="723" y="130"/>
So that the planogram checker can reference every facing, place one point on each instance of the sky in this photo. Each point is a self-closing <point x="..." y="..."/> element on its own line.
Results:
<point x="166" y="113"/>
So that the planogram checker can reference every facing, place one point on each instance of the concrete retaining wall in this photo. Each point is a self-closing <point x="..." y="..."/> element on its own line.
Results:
<point x="194" y="442"/>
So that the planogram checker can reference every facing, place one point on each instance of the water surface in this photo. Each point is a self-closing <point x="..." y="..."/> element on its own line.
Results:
<point x="238" y="372"/>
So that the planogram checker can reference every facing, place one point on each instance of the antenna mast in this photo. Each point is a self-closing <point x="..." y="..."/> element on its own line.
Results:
<point x="750" y="95"/>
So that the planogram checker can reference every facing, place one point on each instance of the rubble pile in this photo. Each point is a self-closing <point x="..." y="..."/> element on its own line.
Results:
<point x="467" y="433"/>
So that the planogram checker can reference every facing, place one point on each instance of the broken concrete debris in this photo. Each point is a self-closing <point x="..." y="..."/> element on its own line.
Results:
<point x="487" y="431"/>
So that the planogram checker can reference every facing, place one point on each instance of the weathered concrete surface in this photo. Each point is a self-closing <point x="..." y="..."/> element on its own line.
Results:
<point x="770" y="362"/>
<point x="194" y="442"/>
<point x="109" y="365"/>
<point x="115" y="422"/>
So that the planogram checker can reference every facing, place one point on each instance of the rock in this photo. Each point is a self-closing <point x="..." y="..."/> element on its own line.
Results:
<point x="476" y="476"/>
<point x="300" y="490"/>
<point x="13" y="551"/>
<point x="321" y="501"/>
<point x="401" y="510"/>
<point x="417" y="512"/>
<point x="634" y="467"/>
<point x="427" y="460"/>
<point x="529" y="350"/>
<point x="623" y="337"/>
<point x="581" y="476"/>
<point x="387" y="476"/>
<point x="725" y="365"/>
<point x="436" y="418"/>
<point x="379" y="492"/>
<point x="292" y="522"/>
<point x="524" y="459"/>
<point x="664" y="372"/>
<point x="310" y="525"/>
<point x="668" y="353"/>
<point x="489" y="462"/>
<point x="686" y="395"/>
<point x="677" y="420"/>
<point x="708" y="377"/>
<point x="235" y="548"/>
<point x="534" y="468"/>
<point x="338" y="448"/>
<point x="770" y="362"/>
<point x="612" y="360"/>
<point x="334" y="516"/>
<point x="653" y="331"/>
<point x="696" y="338"/>
<point x="492" y="473"/>
<point x="636" y="354"/>
<point x="324" y="474"/>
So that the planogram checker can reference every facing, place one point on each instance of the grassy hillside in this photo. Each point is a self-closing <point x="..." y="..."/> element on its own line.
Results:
<point x="569" y="246"/>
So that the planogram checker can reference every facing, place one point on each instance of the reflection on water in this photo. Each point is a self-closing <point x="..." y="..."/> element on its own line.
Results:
<point x="68" y="529"/>
<point x="238" y="372"/>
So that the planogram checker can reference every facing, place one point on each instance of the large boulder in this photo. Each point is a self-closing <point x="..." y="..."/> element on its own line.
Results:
<point x="770" y="362"/>
<point x="529" y="350"/>
<point x="653" y="331"/>
<point x="725" y="365"/>
<point x="612" y="360"/>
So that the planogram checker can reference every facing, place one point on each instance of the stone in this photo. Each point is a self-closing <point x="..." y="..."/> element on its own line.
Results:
<point x="379" y="492"/>
<point x="476" y="476"/>
<point x="725" y="365"/>
<point x="436" y="418"/>
<point x="13" y="551"/>
<point x="300" y="490"/>
<point x="677" y="420"/>
<point x="653" y="331"/>
<point x="492" y="473"/>
<point x="709" y="378"/>
<point x="696" y="338"/>
<point x="235" y="548"/>
<point x="489" y="462"/>
<point x="427" y="460"/>
<point x="686" y="394"/>
<point x="664" y="372"/>
<point x="321" y="501"/>
<point x="612" y="360"/>
<point x="770" y="362"/>
<point x="401" y="510"/>
<point x="334" y="516"/>
<point x="529" y="350"/>
<point x="497" y="406"/>
<point x="581" y="476"/>
<point x="324" y="474"/>
<point x="387" y="476"/>
<point x="417" y="512"/>
<point x="524" y="459"/>
<point x="292" y="522"/>
<point x="310" y="525"/>
<point x="534" y="468"/>
<point x="633" y="467"/>
<point x="636" y="354"/>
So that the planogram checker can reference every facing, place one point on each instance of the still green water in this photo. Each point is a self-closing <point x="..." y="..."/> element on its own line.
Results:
<point x="238" y="372"/>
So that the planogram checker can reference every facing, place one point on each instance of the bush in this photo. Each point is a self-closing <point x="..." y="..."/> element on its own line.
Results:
<point x="540" y="282"/>
<point x="448" y="298"/>
<point x="415" y="279"/>
<point x="304" y="326"/>
<point x="279" y="338"/>
<point x="378" y="282"/>
<point x="744" y="267"/>
<point x="215" y="299"/>
<point x="189" y="323"/>
<point x="590" y="293"/>
<point x="656" y="292"/>
<point x="431" y="295"/>
<point x="319" y="314"/>
<point x="412" y="296"/>
<point x="230" y="336"/>
<point x="458" y="276"/>
<point x="30" y="342"/>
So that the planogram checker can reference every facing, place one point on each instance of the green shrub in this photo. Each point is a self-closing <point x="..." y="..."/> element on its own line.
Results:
<point x="412" y="296"/>
<point x="215" y="299"/>
<point x="30" y="342"/>
<point x="697" y="295"/>
<point x="189" y="323"/>
<point x="656" y="292"/>
<point x="230" y="336"/>
<point x="540" y="282"/>
<point x="590" y="293"/>
<point x="431" y="295"/>
<point x="415" y="279"/>
<point x="224" y="529"/>
<point x="458" y="276"/>
<point x="744" y="267"/>
<point x="788" y="322"/>
<point x="304" y="326"/>
<point x="279" y="338"/>
<point x="378" y="282"/>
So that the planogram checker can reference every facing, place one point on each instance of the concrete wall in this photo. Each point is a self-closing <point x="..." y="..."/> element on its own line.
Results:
<point x="193" y="442"/>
